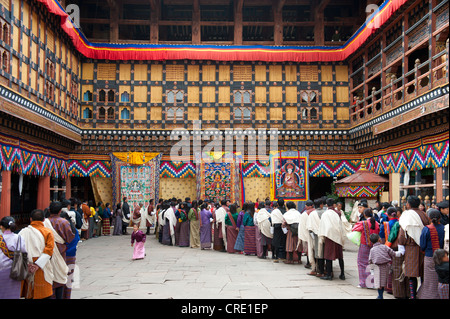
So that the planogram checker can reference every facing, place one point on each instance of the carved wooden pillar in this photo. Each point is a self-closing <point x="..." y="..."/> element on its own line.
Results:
<point x="5" y="198"/>
<point x="445" y="191"/>
<point x="278" y="19"/>
<point x="238" y="22"/>
<point x="114" y="21"/>
<point x="417" y="182"/>
<point x="43" y="192"/>
<point x="438" y="182"/>
<point x="154" y="20"/>
<point x="196" y="34"/>
<point x="319" y="18"/>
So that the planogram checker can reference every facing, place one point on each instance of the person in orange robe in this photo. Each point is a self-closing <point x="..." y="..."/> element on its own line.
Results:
<point x="40" y="249"/>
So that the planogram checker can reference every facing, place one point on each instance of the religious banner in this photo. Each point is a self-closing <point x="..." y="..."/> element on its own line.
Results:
<point x="289" y="176"/>
<point x="219" y="178"/>
<point x="138" y="182"/>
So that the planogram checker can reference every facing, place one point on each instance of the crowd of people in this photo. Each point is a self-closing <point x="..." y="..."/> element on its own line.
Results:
<point x="396" y="246"/>
<point x="399" y="246"/>
<point x="50" y="241"/>
<point x="393" y="250"/>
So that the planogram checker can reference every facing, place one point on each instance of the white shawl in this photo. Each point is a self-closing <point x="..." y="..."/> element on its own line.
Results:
<point x="276" y="216"/>
<point x="170" y="215"/>
<point x="35" y="244"/>
<point x="303" y="233"/>
<point x="331" y="227"/>
<point x="60" y="269"/>
<point x="144" y="218"/>
<point x="345" y="223"/>
<point x="446" y="238"/>
<point x="220" y="217"/>
<point x="263" y="222"/>
<point x="125" y="219"/>
<point x="354" y="216"/>
<point x="161" y="220"/>
<point x="412" y="224"/>
<point x="292" y="216"/>
<point x="136" y="220"/>
<point x="313" y="222"/>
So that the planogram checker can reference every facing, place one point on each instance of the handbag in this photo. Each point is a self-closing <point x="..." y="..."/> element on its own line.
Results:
<point x="85" y="225"/>
<point x="354" y="237"/>
<point x="19" y="267"/>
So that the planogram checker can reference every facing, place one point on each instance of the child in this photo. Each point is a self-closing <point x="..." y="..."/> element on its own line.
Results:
<point x="139" y="237"/>
<point x="440" y="258"/>
<point x="380" y="258"/>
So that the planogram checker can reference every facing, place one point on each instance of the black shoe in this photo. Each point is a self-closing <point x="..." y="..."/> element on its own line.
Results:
<point x="342" y="277"/>
<point x="326" y="278"/>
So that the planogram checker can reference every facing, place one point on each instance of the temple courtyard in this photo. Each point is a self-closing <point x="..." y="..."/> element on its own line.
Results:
<point x="107" y="271"/>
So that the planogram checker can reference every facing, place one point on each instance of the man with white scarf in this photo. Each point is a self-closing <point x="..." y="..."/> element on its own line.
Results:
<point x="40" y="244"/>
<point x="332" y="235"/>
<point x="146" y="218"/>
<point x="312" y="225"/>
<point x="291" y="219"/>
<point x="63" y="235"/>
<point x="136" y="216"/>
<point x="170" y="217"/>
<point x="303" y="233"/>
<point x="161" y="220"/>
<point x="279" y="238"/>
<point x="264" y="224"/>
<point x="219" y="223"/>
<point x="411" y="223"/>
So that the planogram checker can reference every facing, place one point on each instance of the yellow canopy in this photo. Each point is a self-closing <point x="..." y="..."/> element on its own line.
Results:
<point x="135" y="158"/>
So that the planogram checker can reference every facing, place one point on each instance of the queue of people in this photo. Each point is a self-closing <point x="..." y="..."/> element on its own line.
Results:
<point x="313" y="237"/>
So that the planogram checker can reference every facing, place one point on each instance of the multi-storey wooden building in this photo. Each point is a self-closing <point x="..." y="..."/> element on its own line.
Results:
<point x="348" y="81"/>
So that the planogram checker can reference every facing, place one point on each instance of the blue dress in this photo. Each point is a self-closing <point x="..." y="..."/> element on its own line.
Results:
<point x="239" y="245"/>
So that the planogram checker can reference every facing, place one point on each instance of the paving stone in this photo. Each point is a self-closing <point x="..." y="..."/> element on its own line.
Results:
<point x="108" y="272"/>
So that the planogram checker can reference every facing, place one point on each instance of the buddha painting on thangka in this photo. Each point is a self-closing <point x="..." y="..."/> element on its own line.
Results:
<point x="217" y="181"/>
<point x="289" y="178"/>
<point x="135" y="184"/>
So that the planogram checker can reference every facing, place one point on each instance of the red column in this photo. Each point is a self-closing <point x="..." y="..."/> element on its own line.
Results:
<point x="43" y="192"/>
<point x="5" y="200"/>
<point x="68" y="187"/>
<point x="439" y="182"/>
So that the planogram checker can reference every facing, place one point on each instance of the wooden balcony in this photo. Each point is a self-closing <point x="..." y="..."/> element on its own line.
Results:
<point x="400" y="90"/>
<point x="407" y="59"/>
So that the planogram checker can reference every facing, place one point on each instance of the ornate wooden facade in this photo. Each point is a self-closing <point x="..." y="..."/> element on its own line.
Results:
<point x="146" y="97"/>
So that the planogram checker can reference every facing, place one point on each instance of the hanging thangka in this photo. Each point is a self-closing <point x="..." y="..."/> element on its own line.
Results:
<point x="218" y="178"/>
<point x="289" y="176"/>
<point x="138" y="180"/>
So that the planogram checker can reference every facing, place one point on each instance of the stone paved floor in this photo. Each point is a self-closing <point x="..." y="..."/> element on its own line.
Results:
<point x="108" y="272"/>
